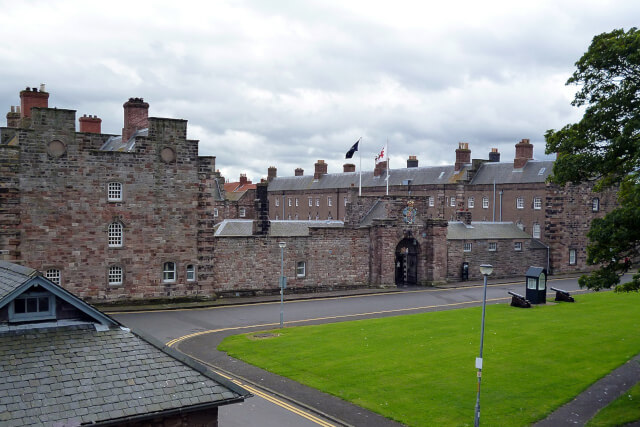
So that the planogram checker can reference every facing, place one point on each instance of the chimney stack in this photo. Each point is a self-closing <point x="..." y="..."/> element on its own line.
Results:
<point x="524" y="153"/>
<point x="494" y="155"/>
<point x="90" y="124"/>
<point x="136" y="117"/>
<point x="349" y="167"/>
<point x="299" y="172"/>
<point x="30" y="98"/>
<point x="321" y="169"/>
<point x="272" y="172"/>
<point x="463" y="155"/>
<point x="243" y="179"/>
<point x="13" y="117"/>
<point x="380" y="168"/>
<point x="412" y="162"/>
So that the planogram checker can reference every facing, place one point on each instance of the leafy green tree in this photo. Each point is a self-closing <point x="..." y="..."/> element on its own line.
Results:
<point x="604" y="148"/>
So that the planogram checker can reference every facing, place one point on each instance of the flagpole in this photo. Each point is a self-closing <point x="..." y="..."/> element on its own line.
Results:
<point x="388" y="164"/>
<point x="360" y="156"/>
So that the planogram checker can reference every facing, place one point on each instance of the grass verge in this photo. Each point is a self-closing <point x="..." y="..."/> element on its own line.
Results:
<point x="419" y="369"/>
<point x="623" y="410"/>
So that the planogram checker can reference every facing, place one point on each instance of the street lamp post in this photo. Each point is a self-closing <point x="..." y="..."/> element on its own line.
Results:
<point x="282" y="245"/>
<point x="486" y="270"/>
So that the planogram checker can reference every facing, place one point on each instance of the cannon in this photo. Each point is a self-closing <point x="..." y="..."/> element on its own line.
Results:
<point x="518" y="300"/>
<point x="562" y="295"/>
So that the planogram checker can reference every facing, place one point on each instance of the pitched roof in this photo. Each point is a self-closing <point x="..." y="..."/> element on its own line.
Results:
<point x="484" y="230"/>
<point x="277" y="228"/>
<point x="504" y="173"/>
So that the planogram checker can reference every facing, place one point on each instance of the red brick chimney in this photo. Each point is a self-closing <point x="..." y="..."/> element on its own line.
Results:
<point x="13" y="117"/>
<point x="30" y="98"/>
<point x="299" y="172"/>
<point x="524" y="153"/>
<point x="272" y="172"/>
<point x="90" y="124"/>
<point x="380" y="168"/>
<point x="463" y="155"/>
<point x="243" y="179"/>
<point x="349" y="167"/>
<point x="321" y="169"/>
<point x="136" y="117"/>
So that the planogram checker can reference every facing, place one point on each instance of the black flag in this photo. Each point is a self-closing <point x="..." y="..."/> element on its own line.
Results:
<point x="352" y="150"/>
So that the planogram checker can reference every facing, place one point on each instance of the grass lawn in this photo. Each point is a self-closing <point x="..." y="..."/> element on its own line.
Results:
<point x="419" y="369"/>
<point x="624" y="410"/>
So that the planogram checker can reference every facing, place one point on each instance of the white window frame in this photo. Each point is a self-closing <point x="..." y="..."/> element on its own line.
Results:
<point x="115" y="275"/>
<point x="520" y="202"/>
<point x="301" y="269"/>
<point x="595" y="204"/>
<point x="485" y="203"/>
<point x="329" y="201"/>
<point x="289" y="217"/>
<point x="345" y="201"/>
<point x="191" y="273"/>
<point x="492" y="246"/>
<point x="467" y="247"/>
<point x="50" y="313"/>
<point x="310" y="201"/>
<point x="453" y="201"/>
<point x="572" y="256"/>
<point x="537" y="203"/>
<point x="289" y="202"/>
<point x="116" y="235"/>
<point x="114" y="191"/>
<point x="517" y="246"/>
<point x="535" y="231"/>
<point x="297" y="202"/>
<point x="277" y="202"/>
<point x="53" y="274"/>
<point x="169" y="272"/>
<point x="318" y="201"/>
<point x="432" y="201"/>
<point x="215" y="212"/>
<point x="242" y="212"/>
<point x="470" y="202"/>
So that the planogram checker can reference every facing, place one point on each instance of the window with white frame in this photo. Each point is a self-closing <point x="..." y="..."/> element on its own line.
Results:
<point x="242" y="213"/>
<point x="537" y="203"/>
<point x="317" y="201"/>
<point x="53" y="274"/>
<point x="277" y="217"/>
<point x="115" y="275"/>
<point x="345" y="201"/>
<point x="520" y="202"/>
<point x="32" y="306"/>
<point x="169" y="272"/>
<point x="296" y="202"/>
<point x="453" y="201"/>
<point x="595" y="204"/>
<point x="493" y="246"/>
<point x="536" y="231"/>
<point x="329" y="201"/>
<point x="289" y="217"/>
<point x="467" y="247"/>
<point x="431" y="201"/>
<point x="517" y="246"/>
<point x="572" y="256"/>
<point x="470" y="202"/>
<point x="116" y="235"/>
<point x="310" y="201"/>
<point x="114" y="192"/>
<point x="215" y="212"/>
<point x="301" y="269"/>
<point x="289" y="201"/>
<point x="191" y="273"/>
<point x="277" y="202"/>
<point x="317" y="216"/>
<point x="485" y="203"/>
<point x="309" y="217"/>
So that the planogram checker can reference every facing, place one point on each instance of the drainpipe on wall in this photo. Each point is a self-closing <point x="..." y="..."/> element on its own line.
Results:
<point x="500" y="205"/>
<point x="283" y="205"/>
<point x="494" y="201"/>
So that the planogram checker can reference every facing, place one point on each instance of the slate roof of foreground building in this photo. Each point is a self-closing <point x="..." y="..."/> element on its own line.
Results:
<point x="92" y="369"/>
<point x="281" y="228"/>
<point x="484" y="230"/>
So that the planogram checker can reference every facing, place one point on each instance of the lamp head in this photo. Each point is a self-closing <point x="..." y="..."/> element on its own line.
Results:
<point x="282" y="245"/>
<point x="486" y="269"/>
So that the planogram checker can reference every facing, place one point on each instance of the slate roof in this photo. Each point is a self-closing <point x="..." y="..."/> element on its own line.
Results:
<point x="278" y="228"/>
<point x="378" y="211"/>
<point x="12" y="276"/>
<point x="72" y="376"/>
<point x="504" y="173"/>
<point x="484" y="230"/>
<point x="115" y="143"/>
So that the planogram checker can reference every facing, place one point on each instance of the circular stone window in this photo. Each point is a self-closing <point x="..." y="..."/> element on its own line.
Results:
<point x="56" y="148"/>
<point x="167" y="155"/>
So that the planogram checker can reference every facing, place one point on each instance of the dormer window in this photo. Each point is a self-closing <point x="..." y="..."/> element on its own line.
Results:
<point x="32" y="306"/>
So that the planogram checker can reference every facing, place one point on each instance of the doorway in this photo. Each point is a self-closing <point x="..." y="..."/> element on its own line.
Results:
<point x="407" y="262"/>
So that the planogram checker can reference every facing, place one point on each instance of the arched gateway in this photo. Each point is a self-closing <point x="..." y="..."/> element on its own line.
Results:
<point x="407" y="262"/>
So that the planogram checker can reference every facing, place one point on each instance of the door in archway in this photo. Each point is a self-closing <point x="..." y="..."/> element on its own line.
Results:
<point x="407" y="263"/>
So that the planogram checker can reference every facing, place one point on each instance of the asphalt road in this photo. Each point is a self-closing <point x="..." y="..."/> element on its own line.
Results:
<point x="281" y="402"/>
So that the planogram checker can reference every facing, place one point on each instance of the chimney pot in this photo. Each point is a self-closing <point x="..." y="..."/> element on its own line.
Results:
<point x="349" y="167"/>
<point x="136" y="117"/>
<point x="32" y="98"/>
<point x="463" y="155"/>
<point x="412" y="162"/>
<point x="299" y="172"/>
<point x="524" y="153"/>
<point x="320" y="169"/>
<point x="494" y="155"/>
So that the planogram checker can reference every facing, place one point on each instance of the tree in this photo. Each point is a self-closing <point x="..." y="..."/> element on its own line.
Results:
<point x="604" y="148"/>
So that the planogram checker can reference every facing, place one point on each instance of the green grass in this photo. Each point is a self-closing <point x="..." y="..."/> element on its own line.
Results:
<point x="624" y="410"/>
<point x="419" y="369"/>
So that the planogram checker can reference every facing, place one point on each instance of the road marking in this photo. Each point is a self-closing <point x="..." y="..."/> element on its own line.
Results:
<point x="269" y="397"/>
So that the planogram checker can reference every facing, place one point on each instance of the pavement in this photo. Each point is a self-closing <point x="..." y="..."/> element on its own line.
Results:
<point x="577" y="412"/>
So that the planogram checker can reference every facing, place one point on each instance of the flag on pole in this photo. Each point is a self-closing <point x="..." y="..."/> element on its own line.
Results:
<point x="352" y="150"/>
<point x="382" y="156"/>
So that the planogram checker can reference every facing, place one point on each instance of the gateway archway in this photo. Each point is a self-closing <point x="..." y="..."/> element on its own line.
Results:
<point x="407" y="262"/>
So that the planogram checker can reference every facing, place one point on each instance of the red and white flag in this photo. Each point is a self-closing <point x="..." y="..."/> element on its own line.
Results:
<point x="382" y="156"/>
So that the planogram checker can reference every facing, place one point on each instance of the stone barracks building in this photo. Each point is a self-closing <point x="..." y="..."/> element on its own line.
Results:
<point x="142" y="215"/>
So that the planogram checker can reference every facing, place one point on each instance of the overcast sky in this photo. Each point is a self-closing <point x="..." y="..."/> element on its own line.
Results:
<point x="284" y="83"/>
